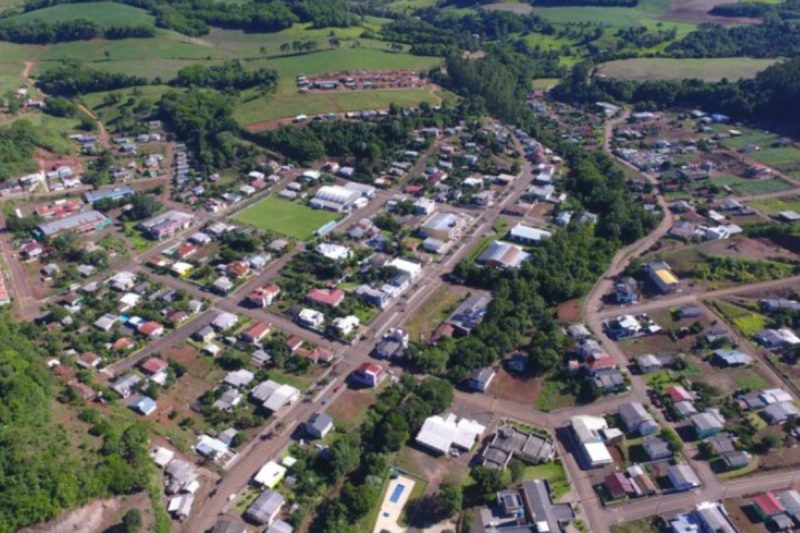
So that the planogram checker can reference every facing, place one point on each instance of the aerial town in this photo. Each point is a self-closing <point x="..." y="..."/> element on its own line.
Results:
<point x="405" y="301"/>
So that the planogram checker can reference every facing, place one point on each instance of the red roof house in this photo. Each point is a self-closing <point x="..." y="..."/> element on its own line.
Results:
<point x="768" y="505"/>
<point x="256" y="332"/>
<point x="264" y="296"/>
<point x="331" y="297"/>
<point x="618" y="485"/>
<point x="151" y="329"/>
<point x="678" y="393"/>
<point x="154" y="365"/>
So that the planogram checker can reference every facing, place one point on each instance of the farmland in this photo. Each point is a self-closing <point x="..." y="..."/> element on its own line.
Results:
<point x="285" y="217"/>
<point x="770" y="206"/>
<point x="732" y="68"/>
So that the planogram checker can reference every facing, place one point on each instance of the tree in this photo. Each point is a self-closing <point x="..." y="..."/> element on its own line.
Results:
<point x="285" y="48"/>
<point x="132" y="521"/>
<point x="487" y="482"/>
<point x="449" y="499"/>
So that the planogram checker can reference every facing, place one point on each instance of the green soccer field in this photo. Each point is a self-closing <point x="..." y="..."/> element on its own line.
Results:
<point x="284" y="217"/>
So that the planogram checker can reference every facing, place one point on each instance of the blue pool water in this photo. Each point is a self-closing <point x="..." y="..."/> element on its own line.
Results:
<point x="397" y="492"/>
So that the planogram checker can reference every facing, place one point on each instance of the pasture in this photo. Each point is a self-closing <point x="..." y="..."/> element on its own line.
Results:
<point x="103" y="14"/>
<point x="733" y="68"/>
<point x="284" y="217"/>
<point x="771" y="206"/>
<point x="746" y="186"/>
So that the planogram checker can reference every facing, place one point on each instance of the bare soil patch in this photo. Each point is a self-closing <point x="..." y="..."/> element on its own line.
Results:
<point x="97" y="516"/>
<point x="697" y="12"/>
<point x="515" y="388"/>
<point x="48" y="160"/>
<point x="749" y="248"/>
<point x="569" y="311"/>
<point x="349" y="408"/>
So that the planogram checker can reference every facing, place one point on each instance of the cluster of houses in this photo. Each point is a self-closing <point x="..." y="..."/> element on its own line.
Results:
<point x="61" y="177"/>
<point x="595" y="363"/>
<point x="360" y="80"/>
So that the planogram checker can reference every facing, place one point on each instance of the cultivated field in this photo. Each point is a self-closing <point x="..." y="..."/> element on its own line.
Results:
<point x="732" y="68"/>
<point x="284" y="217"/>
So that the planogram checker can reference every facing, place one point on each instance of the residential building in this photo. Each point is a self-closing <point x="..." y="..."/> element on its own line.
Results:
<point x="469" y="313"/>
<point x="778" y="413"/>
<point x="443" y="226"/>
<point x="529" y="508"/>
<point x="310" y="318"/>
<point x="660" y="274"/>
<point x="114" y="193"/>
<point x="270" y="475"/>
<point x="509" y="442"/>
<point x="318" y="425"/>
<point x="588" y="431"/>
<point x="265" y="508"/>
<point x="707" y="423"/>
<point x="480" y="378"/>
<point x="656" y="448"/>
<point x="732" y="358"/>
<point x="368" y="374"/>
<point x="327" y="296"/>
<point x="637" y="419"/>
<point x="682" y="477"/>
<point x="626" y="290"/>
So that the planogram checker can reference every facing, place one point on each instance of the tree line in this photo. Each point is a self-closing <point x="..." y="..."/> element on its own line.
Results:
<point x="230" y="76"/>
<point x="41" y="32"/>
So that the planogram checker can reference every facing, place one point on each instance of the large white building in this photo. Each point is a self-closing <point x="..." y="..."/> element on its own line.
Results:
<point x="342" y="197"/>
<point x="442" y="433"/>
<point x="589" y="440"/>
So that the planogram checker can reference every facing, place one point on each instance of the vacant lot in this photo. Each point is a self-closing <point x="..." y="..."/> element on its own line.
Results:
<point x="732" y="68"/>
<point x="350" y="409"/>
<point x="440" y="305"/>
<point x="745" y="320"/>
<point x="284" y="217"/>
<point x="746" y="186"/>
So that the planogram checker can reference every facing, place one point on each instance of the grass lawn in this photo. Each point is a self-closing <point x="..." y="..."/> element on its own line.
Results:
<point x="554" y="473"/>
<point x="745" y="186"/>
<point x="770" y="206"/>
<point x="746" y="321"/>
<point x="747" y="378"/>
<point x="416" y="493"/>
<point x="641" y="68"/>
<point x="287" y="218"/>
<point x="139" y="242"/>
<point x="554" y="396"/>
<point x="618" y="17"/>
<point x="424" y="323"/>
<point x="103" y="14"/>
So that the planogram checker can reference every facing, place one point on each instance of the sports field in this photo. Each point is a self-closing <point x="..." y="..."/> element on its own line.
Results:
<point x="732" y="68"/>
<point x="284" y="217"/>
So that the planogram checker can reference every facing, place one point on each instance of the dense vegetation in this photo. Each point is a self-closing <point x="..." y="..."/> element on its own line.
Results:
<point x="73" y="79"/>
<point x="599" y="3"/>
<point x="42" y="471"/>
<point x="230" y="76"/>
<point x="40" y="32"/>
<point x="774" y="38"/>
<point x="203" y="119"/>
<point x="770" y="96"/>
<point x="18" y="143"/>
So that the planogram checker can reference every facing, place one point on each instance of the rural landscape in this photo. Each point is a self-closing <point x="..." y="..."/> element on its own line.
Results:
<point x="387" y="266"/>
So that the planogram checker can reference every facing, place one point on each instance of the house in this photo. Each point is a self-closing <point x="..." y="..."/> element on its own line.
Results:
<point x="151" y="329"/>
<point x="530" y="508"/>
<point x="256" y="332"/>
<point x="469" y="313"/>
<point x="440" y="434"/>
<point x="509" y="442"/>
<point x="617" y="485"/>
<point x="373" y="296"/>
<point x="318" y="425"/>
<point x="682" y="477"/>
<point x="279" y="526"/>
<point x="238" y="378"/>
<point x="310" y="318"/>
<point x="622" y="326"/>
<point x="346" y="325"/>
<point x="229" y="399"/>
<point x="735" y="459"/>
<point x="656" y="448"/>
<point x="265" y="508"/>
<point x="269" y="475"/>
<point x="263" y="296"/>
<point x="660" y="274"/>
<point x="330" y="297"/>
<point x="392" y="344"/>
<point x="685" y="409"/>
<point x="777" y="338"/>
<point x="126" y="385"/>
<point x="502" y="255"/>
<point x="636" y="419"/>
<point x="626" y="290"/>
<point x="228" y="526"/>
<point x="411" y="269"/>
<point x="778" y="413"/>
<point x="122" y="281"/>
<point x="649" y="363"/>
<point x="767" y="505"/>
<point x="708" y="517"/>
<point x="88" y="360"/>
<point x="678" y="393"/>
<point x="368" y="374"/>
<point x="155" y="368"/>
<point x="791" y="502"/>
<point x="707" y="423"/>
<point x="480" y="378"/>
<point x="608" y="380"/>
<point x="274" y="396"/>
<point x="731" y="358"/>
<point x="224" y="321"/>
<point x="204" y="334"/>
<point x="145" y="405"/>
<point x="587" y="431"/>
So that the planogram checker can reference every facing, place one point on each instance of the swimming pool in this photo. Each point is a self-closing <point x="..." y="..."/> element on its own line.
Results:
<point x="397" y="492"/>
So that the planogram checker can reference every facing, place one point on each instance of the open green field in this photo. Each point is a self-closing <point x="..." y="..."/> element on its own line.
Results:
<point x="103" y="14"/>
<point x="770" y="206"/>
<point x="746" y="186"/>
<point x="10" y="77"/>
<point x="746" y="321"/>
<point x="284" y="217"/>
<point x="732" y="68"/>
<point x="619" y="17"/>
